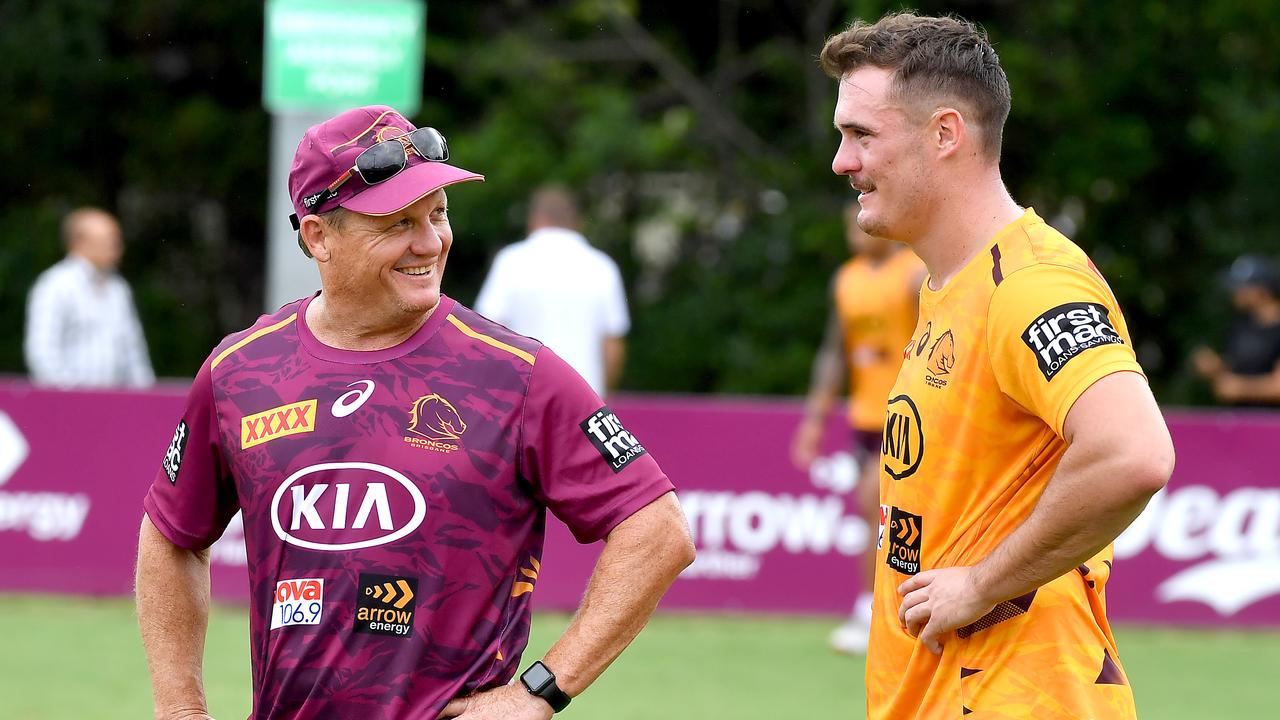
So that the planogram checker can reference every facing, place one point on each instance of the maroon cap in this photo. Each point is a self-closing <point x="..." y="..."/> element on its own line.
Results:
<point x="329" y="149"/>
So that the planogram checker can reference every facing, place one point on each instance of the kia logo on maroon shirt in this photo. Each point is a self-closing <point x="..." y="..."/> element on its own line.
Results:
<point x="346" y="506"/>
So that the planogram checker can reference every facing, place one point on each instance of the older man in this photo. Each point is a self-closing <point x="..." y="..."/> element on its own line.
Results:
<point x="554" y="286"/>
<point x="82" y="327"/>
<point x="394" y="454"/>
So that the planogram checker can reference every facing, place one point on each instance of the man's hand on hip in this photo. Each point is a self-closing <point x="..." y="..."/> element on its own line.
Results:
<point x="509" y="702"/>
<point x="935" y="602"/>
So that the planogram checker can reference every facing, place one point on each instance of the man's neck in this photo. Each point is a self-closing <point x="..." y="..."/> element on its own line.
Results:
<point x="98" y="272"/>
<point x="352" y="327"/>
<point x="969" y="216"/>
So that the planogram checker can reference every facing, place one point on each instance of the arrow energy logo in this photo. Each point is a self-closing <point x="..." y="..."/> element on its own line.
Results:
<point x="385" y="605"/>
<point x="904" y="534"/>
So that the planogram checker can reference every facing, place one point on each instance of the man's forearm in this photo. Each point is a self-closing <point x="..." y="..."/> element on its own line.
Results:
<point x="173" y="614"/>
<point x="825" y="384"/>
<point x="1088" y="502"/>
<point x="641" y="558"/>
<point x="824" y="390"/>
<point x="826" y="379"/>
<point x="1253" y="388"/>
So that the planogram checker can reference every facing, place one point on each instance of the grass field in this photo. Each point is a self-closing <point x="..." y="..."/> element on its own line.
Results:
<point x="77" y="658"/>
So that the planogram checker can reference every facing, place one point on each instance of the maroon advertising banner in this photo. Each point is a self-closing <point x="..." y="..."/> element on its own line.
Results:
<point x="75" y="465"/>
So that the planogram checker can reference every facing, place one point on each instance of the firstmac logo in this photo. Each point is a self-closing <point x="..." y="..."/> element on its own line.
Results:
<point x="617" y="446"/>
<point x="1061" y="334"/>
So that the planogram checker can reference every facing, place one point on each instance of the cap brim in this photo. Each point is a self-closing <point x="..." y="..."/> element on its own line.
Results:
<point x="410" y="186"/>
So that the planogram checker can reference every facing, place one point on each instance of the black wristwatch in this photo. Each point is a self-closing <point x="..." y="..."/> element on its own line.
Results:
<point x="540" y="681"/>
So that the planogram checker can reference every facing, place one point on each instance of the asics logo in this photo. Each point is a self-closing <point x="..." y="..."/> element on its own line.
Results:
<point x="350" y="401"/>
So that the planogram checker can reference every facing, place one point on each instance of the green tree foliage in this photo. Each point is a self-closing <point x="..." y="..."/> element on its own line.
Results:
<point x="699" y="136"/>
<point x="151" y="110"/>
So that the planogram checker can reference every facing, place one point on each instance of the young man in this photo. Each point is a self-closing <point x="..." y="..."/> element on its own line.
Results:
<point x="394" y="454"/>
<point x="1020" y="436"/>
<point x="873" y="311"/>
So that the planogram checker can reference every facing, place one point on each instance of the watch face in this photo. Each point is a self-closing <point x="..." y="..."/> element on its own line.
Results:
<point x="537" y="678"/>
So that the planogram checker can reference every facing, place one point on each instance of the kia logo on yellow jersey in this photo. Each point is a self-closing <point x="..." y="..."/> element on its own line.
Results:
<point x="902" y="447"/>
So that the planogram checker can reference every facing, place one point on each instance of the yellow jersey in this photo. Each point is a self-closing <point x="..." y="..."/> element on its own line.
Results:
<point x="972" y="435"/>
<point x="876" y="305"/>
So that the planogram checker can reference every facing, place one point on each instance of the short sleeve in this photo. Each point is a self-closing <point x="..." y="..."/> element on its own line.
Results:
<point x="1053" y="331"/>
<point x="193" y="496"/>
<point x="584" y="464"/>
<point x="616" y="319"/>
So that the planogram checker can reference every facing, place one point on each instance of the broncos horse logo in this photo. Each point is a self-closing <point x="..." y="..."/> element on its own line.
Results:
<point x="942" y="357"/>
<point x="435" y="418"/>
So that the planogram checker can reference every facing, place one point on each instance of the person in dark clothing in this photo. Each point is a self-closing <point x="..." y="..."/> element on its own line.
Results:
<point x="1248" y="370"/>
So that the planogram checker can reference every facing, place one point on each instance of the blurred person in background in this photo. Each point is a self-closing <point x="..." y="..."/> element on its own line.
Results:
<point x="556" y="287"/>
<point x="82" y="327"/>
<point x="1020" y="435"/>
<point x="394" y="455"/>
<point x="1248" y="370"/>
<point x="874" y="300"/>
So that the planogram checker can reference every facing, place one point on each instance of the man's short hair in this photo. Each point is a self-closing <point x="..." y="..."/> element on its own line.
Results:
<point x="939" y="60"/>
<point x="554" y="204"/>
<point x="336" y="217"/>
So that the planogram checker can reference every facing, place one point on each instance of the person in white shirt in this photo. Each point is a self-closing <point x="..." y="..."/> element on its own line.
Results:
<point x="82" y="328"/>
<point x="555" y="287"/>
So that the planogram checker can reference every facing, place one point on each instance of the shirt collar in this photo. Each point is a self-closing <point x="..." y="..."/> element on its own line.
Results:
<point x="88" y="270"/>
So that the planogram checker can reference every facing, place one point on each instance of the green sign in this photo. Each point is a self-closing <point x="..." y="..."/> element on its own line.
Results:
<point x="331" y="55"/>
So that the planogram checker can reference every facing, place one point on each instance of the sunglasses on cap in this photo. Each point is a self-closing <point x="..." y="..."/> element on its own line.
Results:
<point x="382" y="161"/>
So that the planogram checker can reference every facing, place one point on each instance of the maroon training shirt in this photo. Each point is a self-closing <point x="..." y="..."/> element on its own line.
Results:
<point x="393" y="503"/>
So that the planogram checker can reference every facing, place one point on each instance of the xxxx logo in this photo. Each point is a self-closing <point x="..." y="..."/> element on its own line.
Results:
<point x="397" y="594"/>
<point x="277" y="422"/>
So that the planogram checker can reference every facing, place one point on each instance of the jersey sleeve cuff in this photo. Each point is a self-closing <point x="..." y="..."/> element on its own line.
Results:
<point x="167" y="529"/>
<point x="638" y="498"/>
<point x="1084" y="382"/>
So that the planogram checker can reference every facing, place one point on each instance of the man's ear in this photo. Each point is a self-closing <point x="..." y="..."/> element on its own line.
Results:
<point x="948" y="132"/>
<point x="313" y="236"/>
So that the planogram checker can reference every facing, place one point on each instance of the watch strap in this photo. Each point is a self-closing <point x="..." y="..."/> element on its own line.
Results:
<point x="550" y="691"/>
